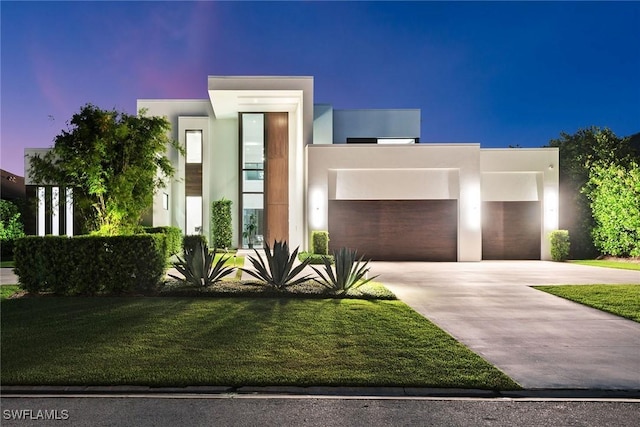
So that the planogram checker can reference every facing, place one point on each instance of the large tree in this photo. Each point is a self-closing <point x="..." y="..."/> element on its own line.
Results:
<point x="579" y="153"/>
<point x="114" y="162"/>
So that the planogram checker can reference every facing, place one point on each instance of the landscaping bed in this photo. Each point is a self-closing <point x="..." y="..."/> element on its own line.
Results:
<point x="308" y="289"/>
<point x="179" y="341"/>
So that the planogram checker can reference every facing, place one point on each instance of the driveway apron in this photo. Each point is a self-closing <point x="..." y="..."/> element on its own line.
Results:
<point x="539" y="340"/>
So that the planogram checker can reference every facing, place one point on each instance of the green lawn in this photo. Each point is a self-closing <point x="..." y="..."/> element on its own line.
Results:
<point x="232" y="341"/>
<point x="8" y="290"/>
<point x="609" y="263"/>
<point x="7" y="264"/>
<point x="622" y="300"/>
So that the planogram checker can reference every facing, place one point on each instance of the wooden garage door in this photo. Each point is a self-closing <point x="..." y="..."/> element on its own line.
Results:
<point x="511" y="230"/>
<point x="396" y="230"/>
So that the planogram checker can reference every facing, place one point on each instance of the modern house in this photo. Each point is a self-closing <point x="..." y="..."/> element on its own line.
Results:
<point x="363" y="175"/>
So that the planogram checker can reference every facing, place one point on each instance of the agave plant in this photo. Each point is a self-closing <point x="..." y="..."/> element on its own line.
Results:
<point x="198" y="268"/>
<point x="349" y="272"/>
<point x="278" y="272"/>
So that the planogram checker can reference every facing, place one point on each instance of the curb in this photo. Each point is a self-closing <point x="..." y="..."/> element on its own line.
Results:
<point x="324" y="391"/>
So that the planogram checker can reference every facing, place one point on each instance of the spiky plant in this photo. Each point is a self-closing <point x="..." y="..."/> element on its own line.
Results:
<point x="198" y="268"/>
<point x="349" y="272"/>
<point x="278" y="272"/>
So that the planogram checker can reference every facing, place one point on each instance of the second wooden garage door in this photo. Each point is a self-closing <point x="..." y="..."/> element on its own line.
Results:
<point x="396" y="230"/>
<point x="511" y="230"/>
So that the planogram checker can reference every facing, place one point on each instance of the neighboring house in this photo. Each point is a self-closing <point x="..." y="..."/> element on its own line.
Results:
<point x="12" y="187"/>
<point x="360" y="174"/>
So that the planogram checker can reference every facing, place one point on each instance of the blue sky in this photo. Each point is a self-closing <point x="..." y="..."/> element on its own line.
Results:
<point x="494" y="73"/>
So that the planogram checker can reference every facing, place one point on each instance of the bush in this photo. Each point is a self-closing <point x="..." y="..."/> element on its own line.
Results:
<point x="11" y="228"/>
<point x="559" y="245"/>
<point x="314" y="258"/>
<point x="173" y="235"/>
<point x="221" y="233"/>
<point x="192" y="241"/>
<point x="614" y="192"/>
<point x="320" y="242"/>
<point x="89" y="265"/>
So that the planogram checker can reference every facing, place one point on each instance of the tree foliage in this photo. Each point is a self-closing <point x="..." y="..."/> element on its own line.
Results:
<point x="10" y="224"/>
<point x="614" y="192"/>
<point x="113" y="161"/>
<point x="579" y="153"/>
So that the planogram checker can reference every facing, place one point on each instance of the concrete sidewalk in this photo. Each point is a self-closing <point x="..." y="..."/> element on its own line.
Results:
<point x="541" y="341"/>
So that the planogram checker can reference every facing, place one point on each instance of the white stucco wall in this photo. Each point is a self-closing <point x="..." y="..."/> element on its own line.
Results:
<point x="427" y="170"/>
<point x="173" y="109"/>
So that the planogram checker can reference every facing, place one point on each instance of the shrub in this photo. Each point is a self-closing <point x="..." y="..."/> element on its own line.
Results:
<point x="314" y="258"/>
<point x="11" y="228"/>
<point x="221" y="233"/>
<point x="559" y="245"/>
<point x="349" y="272"/>
<point x="172" y="234"/>
<point x="320" y="242"/>
<point x="197" y="266"/>
<point x="278" y="272"/>
<point x="192" y="241"/>
<point x="90" y="265"/>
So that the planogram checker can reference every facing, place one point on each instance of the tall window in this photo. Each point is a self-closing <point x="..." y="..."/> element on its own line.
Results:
<point x="69" y="212"/>
<point x="252" y="165"/>
<point x="193" y="177"/>
<point x="41" y="212"/>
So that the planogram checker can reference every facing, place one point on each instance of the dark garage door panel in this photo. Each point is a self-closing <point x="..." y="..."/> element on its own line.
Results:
<point x="510" y="230"/>
<point x="396" y="230"/>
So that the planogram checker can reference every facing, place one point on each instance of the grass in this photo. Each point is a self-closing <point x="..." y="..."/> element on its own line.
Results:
<point x="621" y="300"/>
<point x="232" y="341"/>
<point x="7" y="290"/>
<point x="7" y="264"/>
<point x="609" y="263"/>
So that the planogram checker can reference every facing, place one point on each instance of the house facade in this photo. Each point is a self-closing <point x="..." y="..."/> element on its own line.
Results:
<point x="293" y="167"/>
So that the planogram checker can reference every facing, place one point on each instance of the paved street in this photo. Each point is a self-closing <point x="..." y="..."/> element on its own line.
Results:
<point x="539" y="340"/>
<point x="314" y="411"/>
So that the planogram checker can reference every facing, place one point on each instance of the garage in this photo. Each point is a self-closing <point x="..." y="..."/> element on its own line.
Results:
<point x="396" y="230"/>
<point x="511" y="230"/>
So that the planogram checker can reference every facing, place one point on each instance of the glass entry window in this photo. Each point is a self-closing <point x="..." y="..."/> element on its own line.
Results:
<point x="193" y="182"/>
<point x="252" y="189"/>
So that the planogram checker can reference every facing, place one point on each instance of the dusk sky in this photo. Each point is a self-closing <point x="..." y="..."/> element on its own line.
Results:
<point x="493" y="73"/>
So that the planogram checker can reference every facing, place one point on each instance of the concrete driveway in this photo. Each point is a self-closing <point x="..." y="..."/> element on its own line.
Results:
<point x="539" y="340"/>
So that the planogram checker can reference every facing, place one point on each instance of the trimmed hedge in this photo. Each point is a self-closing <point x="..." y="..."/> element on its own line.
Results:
<point x="173" y="235"/>
<point x="320" y="242"/>
<point x="90" y="265"/>
<point x="314" y="258"/>
<point x="221" y="232"/>
<point x="192" y="241"/>
<point x="560" y="245"/>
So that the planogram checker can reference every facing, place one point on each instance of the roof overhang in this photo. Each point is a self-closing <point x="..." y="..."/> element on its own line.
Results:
<point x="232" y="95"/>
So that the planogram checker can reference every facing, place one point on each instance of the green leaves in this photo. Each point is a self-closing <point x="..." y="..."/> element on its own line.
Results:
<point x="221" y="223"/>
<point x="349" y="272"/>
<point x="559" y="245"/>
<point x="614" y="192"/>
<point x="112" y="160"/>
<point x="278" y="271"/>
